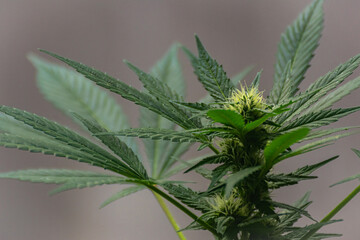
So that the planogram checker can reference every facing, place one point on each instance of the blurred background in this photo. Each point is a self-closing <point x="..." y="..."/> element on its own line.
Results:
<point x="238" y="33"/>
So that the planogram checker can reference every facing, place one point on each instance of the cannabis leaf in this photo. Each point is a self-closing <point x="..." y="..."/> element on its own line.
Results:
<point x="71" y="92"/>
<point x="280" y="144"/>
<point x="69" y="179"/>
<point x="296" y="50"/>
<point x="211" y="74"/>
<point x="320" y="88"/>
<point x="143" y="99"/>
<point x="156" y="134"/>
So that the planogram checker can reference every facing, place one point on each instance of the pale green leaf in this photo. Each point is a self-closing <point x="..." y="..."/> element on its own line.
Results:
<point x="69" y="179"/>
<point x="326" y="132"/>
<point x="123" y="193"/>
<point x="163" y="154"/>
<point x="130" y="93"/>
<point x="348" y="179"/>
<point x="71" y="92"/>
<point x="241" y="75"/>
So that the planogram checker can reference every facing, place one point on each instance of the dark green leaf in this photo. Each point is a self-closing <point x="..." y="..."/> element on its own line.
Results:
<point x="156" y="134"/>
<point x="131" y="94"/>
<point x="212" y="75"/>
<point x="238" y="177"/>
<point x="187" y="196"/>
<point x="319" y="119"/>
<point x="117" y="146"/>
<point x="58" y="133"/>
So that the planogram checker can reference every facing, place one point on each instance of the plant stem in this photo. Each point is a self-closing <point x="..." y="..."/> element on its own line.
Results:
<point x="333" y="212"/>
<point x="214" y="149"/>
<point x="169" y="215"/>
<point x="182" y="208"/>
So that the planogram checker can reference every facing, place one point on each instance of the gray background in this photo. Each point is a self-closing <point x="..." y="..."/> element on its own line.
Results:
<point x="102" y="34"/>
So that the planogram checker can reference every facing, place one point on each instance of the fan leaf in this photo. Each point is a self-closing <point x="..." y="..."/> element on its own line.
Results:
<point x="156" y="134"/>
<point x="118" y="147"/>
<point x="211" y="74"/>
<point x="123" y="193"/>
<point x="130" y="93"/>
<point x="71" y="92"/>
<point x="69" y="179"/>
<point x="296" y="49"/>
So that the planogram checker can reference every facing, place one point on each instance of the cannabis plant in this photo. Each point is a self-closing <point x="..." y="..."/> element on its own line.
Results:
<point x="247" y="133"/>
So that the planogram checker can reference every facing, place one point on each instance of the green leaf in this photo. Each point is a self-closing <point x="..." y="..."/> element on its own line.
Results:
<point x="238" y="177"/>
<point x="291" y="217"/>
<point x="280" y="144"/>
<point x="227" y="117"/>
<point x="118" y="147"/>
<point x="336" y="95"/>
<point x="218" y="158"/>
<point x="326" y="132"/>
<point x="71" y="92"/>
<point x="254" y="124"/>
<point x="315" y="145"/>
<point x="321" y="87"/>
<point x="297" y="233"/>
<point x="123" y="193"/>
<point x="69" y="179"/>
<point x="241" y="75"/>
<point x="319" y="119"/>
<point x="197" y="106"/>
<point x="54" y="176"/>
<point x="280" y="180"/>
<point x="348" y="179"/>
<point x="255" y="83"/>
<point x="217" y="174"/>
<point x="163" y="154"/>
<point x="130" y="93"/>
<point x="187" y="196"/>
<point x="212" y="75"/>
<point x="16" y="134"/>
<point x="156" y="88"/>
<point x="297" y="46"/>
<point x="61" y="136"/>
<point x="181" y="166"/>
<point x="168" y="70"/>
<point x="292" y="208"/>
<point x="156" y="134"/>
<point x="170" y="156"/>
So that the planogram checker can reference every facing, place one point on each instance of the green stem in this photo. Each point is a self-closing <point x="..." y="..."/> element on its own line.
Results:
<point x="214" y="149"/>
<point x="169" y="216"/>
<point x="182" y="208"/>
<point x="333" y="212"/>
